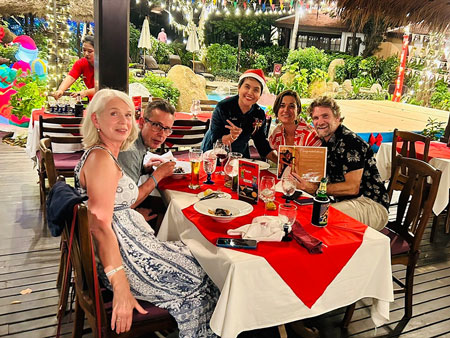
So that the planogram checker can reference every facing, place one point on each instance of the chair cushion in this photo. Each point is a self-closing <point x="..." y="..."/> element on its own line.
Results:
<point x="150" y="62"/>
<point x="67" y="161"/>
<point x="398" y="244"/>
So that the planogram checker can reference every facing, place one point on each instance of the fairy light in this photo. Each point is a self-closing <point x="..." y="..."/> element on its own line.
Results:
<point x="59" y="33"/>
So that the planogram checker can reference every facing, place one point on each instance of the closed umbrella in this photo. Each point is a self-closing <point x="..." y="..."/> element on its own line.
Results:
<point x="145" y="41"/>
<point x="193" y="45"/>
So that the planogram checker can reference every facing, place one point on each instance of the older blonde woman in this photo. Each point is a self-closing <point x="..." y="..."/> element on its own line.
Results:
<point x="134" y="264"/>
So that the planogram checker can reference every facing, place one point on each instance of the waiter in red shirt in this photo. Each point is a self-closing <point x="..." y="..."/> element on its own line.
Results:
<point x="83" y="67"/>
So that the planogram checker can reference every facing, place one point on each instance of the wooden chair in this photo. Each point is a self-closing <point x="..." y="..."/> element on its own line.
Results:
<point x="157" y="319"/>
<point x="57" y="130"/>
<point x="408" y="149"/>
<point x="186" y="133"/>
<point x="208" y="105"/>
<point x="405" y="232"/>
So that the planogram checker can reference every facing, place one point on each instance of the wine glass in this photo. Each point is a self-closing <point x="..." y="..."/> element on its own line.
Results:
<point x="221" y="150"/>
<point x="209" y="165"/>
<point x="267" y="190"/>
<point x="195" y="108"/>
<point x="287" y="213"/>
<point x="232" y="167"/>
<point x="195" y="157"/>
<point x="288" y="185"/>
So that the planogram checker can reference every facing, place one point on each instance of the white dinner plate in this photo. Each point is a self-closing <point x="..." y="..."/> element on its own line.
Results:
<point x="236" y="207"/>
<point x="262" y="165"/>
<point x="186" y="168"/>
<point x="224" y="195"/>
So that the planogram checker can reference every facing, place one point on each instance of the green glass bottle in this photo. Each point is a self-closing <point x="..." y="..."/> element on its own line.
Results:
<point x="321" y="205"/>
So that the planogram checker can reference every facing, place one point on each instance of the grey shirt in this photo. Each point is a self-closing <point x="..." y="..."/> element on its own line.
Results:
<point x="132" y="159"/>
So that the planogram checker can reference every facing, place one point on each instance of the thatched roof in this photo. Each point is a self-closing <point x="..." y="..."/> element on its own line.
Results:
<point x="314" y="22"/>
<point x="82" y="10"/>
<point x="36" y="7"/>
<point x="434" y="14"/>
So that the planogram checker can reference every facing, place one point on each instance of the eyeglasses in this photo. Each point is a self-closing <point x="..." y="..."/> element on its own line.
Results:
<point x="157" y="127"/>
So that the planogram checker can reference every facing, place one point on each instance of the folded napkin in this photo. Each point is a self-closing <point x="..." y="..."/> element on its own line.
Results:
<point x="164" y="158"/>
<point x="310" y="243"/>
<point x="262" y="228"/>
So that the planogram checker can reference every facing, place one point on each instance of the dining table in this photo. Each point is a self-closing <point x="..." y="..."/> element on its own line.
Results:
<point x="438" y="157"/>
<point x="280" y="282"/>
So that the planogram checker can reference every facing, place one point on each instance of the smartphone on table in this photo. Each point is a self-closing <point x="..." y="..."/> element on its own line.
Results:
<point x="236" y="243"/>
<point x="304" y="201"/>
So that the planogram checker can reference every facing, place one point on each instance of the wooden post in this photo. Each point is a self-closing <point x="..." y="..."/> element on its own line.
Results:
<point x="112" y="19"/>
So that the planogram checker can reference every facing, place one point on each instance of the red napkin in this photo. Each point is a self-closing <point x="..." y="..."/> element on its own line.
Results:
<point x="310" y="243"/>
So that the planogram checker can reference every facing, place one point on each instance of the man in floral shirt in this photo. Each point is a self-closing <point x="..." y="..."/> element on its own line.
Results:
<point x="353" y="178"/>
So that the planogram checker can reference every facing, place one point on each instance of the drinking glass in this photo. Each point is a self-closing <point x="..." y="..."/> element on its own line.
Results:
<point x="195" y="157"/>
<point x="221" y="150"/>
<point x="209" y="165"/>
<point x="287" y="213"/>
<point x="195" y="108"/>
<point x="267" y="190"/>
<point x="232" y="166"/>
<point x="288" y="185"/>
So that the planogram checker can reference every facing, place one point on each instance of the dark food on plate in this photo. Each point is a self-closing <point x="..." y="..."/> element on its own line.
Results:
<point x="220" y="212"/>
<point x="178" y="170"/>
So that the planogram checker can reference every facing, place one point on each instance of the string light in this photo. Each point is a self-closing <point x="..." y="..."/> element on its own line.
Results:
<point x="59" y="32"/>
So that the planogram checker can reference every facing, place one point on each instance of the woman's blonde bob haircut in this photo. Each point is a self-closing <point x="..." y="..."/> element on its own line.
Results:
<point x="90" y="134"/>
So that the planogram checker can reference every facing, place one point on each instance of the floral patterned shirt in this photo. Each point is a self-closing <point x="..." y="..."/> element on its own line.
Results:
<point x="346" y="152"/>
<point x="305" y="135"/>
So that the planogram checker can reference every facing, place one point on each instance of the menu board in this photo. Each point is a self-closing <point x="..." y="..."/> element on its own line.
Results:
<point x="248" y="178"/>
<point x="310" y="163"/>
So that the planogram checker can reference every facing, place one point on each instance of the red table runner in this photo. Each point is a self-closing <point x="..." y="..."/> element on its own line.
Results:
<point x="307" y="275"/>
<point x="205" y="116"/>
<point x="437" y="150"/>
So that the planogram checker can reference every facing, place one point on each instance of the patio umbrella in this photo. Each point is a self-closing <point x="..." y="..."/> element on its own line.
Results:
<point x="145" y="41"/>
<point x="193" y="45"/>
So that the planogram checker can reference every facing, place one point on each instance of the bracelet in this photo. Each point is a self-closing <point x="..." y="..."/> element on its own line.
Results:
<point x="154" y="180"/>
<point x="113" y="271"/>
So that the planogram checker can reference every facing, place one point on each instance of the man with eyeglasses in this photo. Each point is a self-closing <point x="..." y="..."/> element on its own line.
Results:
<point x="155" y="125"/>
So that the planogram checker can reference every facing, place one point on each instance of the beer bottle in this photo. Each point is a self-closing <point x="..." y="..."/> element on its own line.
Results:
<point x="321" y="205"/>
<point x="79" y="107"/>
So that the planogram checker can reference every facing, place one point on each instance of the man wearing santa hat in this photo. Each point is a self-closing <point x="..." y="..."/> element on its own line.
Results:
<point x="238" y="119"/>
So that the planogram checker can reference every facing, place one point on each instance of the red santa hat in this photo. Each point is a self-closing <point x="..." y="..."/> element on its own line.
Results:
<point x="256" y="74"/>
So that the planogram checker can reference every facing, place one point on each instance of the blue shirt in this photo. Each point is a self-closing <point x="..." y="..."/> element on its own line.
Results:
<point x="253" y="124"/>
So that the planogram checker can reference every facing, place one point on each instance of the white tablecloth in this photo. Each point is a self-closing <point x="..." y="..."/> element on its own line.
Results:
<point x="33" y="142"/>
<point x="254" y="296"/>
<point x="384" y="163"/>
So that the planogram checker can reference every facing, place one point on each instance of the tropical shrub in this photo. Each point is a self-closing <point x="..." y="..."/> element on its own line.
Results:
<point x="388" y="70"/>
<point x="31" y="94"/>
<point x="180" y="50"/>
<point x="228" y="74"/>
<point x="434" y="128"/>
<point x="221" y="57"/>
<point x="8" y="52"/>
<point x="133" y="43"/>
<point x="441" y="97"/>
<point x="274" y="54"/>
<point x="308" y="58"/>
<point x="158" y="86"/>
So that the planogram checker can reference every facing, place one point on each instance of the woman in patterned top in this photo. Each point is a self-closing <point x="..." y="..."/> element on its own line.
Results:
<point x="292" y="129"/>
<point x="134" y="263"/>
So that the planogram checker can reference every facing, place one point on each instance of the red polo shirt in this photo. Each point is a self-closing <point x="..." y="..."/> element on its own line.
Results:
<point x="82" y="67"/>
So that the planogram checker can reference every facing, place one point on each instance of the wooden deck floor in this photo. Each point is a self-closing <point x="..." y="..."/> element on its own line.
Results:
<point x="29" y="258"/>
